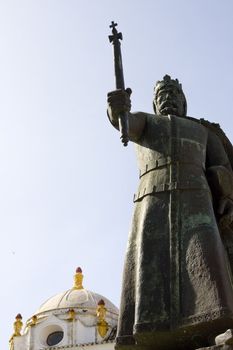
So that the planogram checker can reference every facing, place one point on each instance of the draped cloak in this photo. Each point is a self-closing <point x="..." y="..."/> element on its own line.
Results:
<point x="177" y="283"/>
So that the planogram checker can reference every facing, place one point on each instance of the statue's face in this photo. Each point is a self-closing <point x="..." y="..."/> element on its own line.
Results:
<point x="170" y="100"/>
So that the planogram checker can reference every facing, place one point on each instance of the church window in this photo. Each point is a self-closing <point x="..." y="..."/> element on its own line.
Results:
<point x="55" y="338"/>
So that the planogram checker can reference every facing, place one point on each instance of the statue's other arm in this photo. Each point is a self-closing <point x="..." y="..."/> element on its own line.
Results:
<point x="220" y="177"/>
<point x="118" y="102"/>
<point x="216" y="154"/>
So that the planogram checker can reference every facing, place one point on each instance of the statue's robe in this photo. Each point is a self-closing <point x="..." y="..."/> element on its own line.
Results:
<point x="176" y="284"/>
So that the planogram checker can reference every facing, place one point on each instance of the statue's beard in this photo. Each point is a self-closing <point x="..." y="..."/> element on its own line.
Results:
<point x="168" y="109"/>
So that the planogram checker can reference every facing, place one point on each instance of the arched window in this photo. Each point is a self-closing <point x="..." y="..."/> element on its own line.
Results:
<point x="55" y="338"/>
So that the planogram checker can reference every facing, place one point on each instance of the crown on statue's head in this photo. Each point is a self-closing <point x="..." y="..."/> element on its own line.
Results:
<point x="167" y="81"/>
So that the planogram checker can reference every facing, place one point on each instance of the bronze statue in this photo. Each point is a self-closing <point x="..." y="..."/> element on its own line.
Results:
<point x="177" y="288"/>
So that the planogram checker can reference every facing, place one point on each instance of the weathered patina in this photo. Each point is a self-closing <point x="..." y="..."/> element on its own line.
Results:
<point x="177" y="288"/>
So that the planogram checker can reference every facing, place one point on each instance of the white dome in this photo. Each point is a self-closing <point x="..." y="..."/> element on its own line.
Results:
<point x="75" y="298"/>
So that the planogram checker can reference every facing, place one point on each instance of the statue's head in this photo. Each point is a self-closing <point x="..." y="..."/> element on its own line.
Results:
<point x="169" y="97"/>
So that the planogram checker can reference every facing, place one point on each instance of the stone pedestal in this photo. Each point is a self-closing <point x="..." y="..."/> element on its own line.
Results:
<point x="223" y="341"/>
<point x="218" y="347"/>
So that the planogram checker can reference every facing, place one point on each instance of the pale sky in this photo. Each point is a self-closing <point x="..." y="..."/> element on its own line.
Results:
<point x="66" y="182"/>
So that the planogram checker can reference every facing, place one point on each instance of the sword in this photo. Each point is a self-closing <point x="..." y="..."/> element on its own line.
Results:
<point x="119" y="78"/>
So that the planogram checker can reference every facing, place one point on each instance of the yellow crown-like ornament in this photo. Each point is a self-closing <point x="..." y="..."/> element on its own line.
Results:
<point x="71" y="315"/>
<point x="78" y="279"/>
<point x="102" y="324"/>
<point x="18" y="325"/>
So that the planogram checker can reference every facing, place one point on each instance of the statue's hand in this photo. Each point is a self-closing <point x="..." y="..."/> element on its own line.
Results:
<point x="225" y="209"/>
<point x="118" y="102"/>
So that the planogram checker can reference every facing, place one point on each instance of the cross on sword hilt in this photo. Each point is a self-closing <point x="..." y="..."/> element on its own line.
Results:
<point x="116" y="35"/>
<point x="119" y="78"/>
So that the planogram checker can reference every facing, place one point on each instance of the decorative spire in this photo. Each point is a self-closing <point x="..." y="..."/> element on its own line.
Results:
<point x="18" y="325"/>
<point x="102" y="324"/>
<point x="78" y="279"/>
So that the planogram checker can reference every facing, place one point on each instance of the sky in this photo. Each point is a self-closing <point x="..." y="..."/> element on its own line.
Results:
<point x="66" y="181"/>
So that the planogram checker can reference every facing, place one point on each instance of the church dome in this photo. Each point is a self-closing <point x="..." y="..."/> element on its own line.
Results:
<point x="74" y="318"/>
<point x="75" y="298"/>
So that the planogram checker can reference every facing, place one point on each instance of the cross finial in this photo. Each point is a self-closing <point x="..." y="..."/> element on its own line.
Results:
<point x="113" y="25"/>
<point x="115" y="35"/>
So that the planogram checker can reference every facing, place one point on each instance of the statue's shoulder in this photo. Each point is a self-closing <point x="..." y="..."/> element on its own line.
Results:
<point x="217" y="130"/>
<point x="142" y="115"/>
<point x="148" y="118"/>
<point x="215" y="127"/>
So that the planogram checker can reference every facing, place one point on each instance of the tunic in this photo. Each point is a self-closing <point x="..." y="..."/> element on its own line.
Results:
<point x="176" y="282"/>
